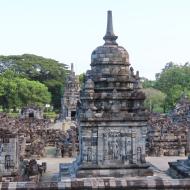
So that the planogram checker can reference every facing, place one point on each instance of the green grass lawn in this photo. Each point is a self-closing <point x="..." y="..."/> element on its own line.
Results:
<point x="48" y="115"/>
<point x="13" y="114"/>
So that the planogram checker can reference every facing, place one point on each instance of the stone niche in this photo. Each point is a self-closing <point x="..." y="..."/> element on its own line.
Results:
<point x="113" y="121"/>
<point x="31" y="112"/>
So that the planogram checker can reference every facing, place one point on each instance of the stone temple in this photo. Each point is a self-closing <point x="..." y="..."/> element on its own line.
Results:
<point x="71" y="96"/>
<point x="113" y="121"/>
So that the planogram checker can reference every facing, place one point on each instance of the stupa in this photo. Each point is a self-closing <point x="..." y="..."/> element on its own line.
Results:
<point x="113" y="121"/>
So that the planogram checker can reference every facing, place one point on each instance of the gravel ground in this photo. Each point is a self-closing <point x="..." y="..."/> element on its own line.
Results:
<point x="52" y="171"/>
<point x="162" y="162"/>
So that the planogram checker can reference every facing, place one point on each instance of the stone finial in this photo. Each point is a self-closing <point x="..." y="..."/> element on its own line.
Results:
<point x="72" y="67"/>
<point x="132" y="71"/>
<point x="110" y="36"/>
<point x="137" y="74"/>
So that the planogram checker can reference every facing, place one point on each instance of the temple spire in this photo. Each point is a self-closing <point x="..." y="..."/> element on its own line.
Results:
<point x="110" y="36"/>
<point x="72" y="68"/>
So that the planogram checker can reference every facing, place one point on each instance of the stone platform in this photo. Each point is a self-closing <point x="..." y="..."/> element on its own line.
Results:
<point x="102" y="183"/>
<point x="116" y="171"/>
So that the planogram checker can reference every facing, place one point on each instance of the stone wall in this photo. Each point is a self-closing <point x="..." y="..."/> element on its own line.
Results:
<point x="101" y="183"/>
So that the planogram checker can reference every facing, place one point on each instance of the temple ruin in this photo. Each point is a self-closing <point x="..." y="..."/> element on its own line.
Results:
<point x="71" y="96"/>
<point x="169" y="134"/>
<point x="113" y="121"/>
<point x="32" y="112"/>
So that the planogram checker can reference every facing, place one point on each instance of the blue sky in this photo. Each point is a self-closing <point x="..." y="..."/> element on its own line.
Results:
<point x="154" y="32"/>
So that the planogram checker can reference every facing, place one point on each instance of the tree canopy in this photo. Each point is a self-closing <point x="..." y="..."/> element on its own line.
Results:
<point x="47" y="71"/>
<point x="146" y="83"/>
<point x="173" y="81"/>
<point x="16" y="92"/>
<point x="81" y="79"/>
<point x="155" y="99"/>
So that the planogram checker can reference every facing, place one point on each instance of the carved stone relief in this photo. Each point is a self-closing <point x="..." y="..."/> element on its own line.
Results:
<point x="116" y="145"/>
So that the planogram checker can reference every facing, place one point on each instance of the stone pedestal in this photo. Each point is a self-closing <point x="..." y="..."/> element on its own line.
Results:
<point x="131" y="170"/>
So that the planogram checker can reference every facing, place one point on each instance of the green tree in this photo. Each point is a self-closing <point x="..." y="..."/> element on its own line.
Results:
<point x="18" y="92"/>
<point x="155" y="100"/>
<point x="174" y="94"/>
<point x="47" y="71"/>
<point x="81" y="78"/>
<point x="174" y="80"/>
<point x="146" y="83"/>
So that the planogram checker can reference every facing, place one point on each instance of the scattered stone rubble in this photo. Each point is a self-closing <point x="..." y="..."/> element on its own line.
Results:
<point x="169" y="135"/>
<point x="30" y="170"/>
<point x="67" y="143"/>
<point x="181" y="112"/>
<point x="30" y="131"/>
<point x="27" y="138"/>
<point x="165" y="138"/>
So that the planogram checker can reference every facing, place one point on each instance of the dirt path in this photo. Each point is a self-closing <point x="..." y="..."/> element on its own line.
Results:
<point x="162" y="162"/>
<point x="52" y="172"/>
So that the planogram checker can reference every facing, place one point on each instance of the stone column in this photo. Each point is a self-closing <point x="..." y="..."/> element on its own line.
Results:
<point x="123" y="150"/>
<point x="143" y="142"/>
<point x="94" y="145"/>
<point x="128" y="149"/>
<point x="69" y="114"/>
<point x="133" y="148"/>
<point x="101" y="146"/>
<point x="188" y="141"/>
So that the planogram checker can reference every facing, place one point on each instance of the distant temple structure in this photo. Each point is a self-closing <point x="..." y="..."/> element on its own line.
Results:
<point x="113" y="121"/>
<point x="32" y="111"/>
<point x="71" y="96"/>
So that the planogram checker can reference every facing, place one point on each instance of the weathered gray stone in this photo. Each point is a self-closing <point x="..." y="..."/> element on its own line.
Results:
<point x="180" y="168"/>
<point x="113" y="121"/>
<point x="104" y="183"/>
<point x="169" y="135"/>
<point x="32" y="112"/>
<point x="9" y="153"/>
<point x="71" y="96"/>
